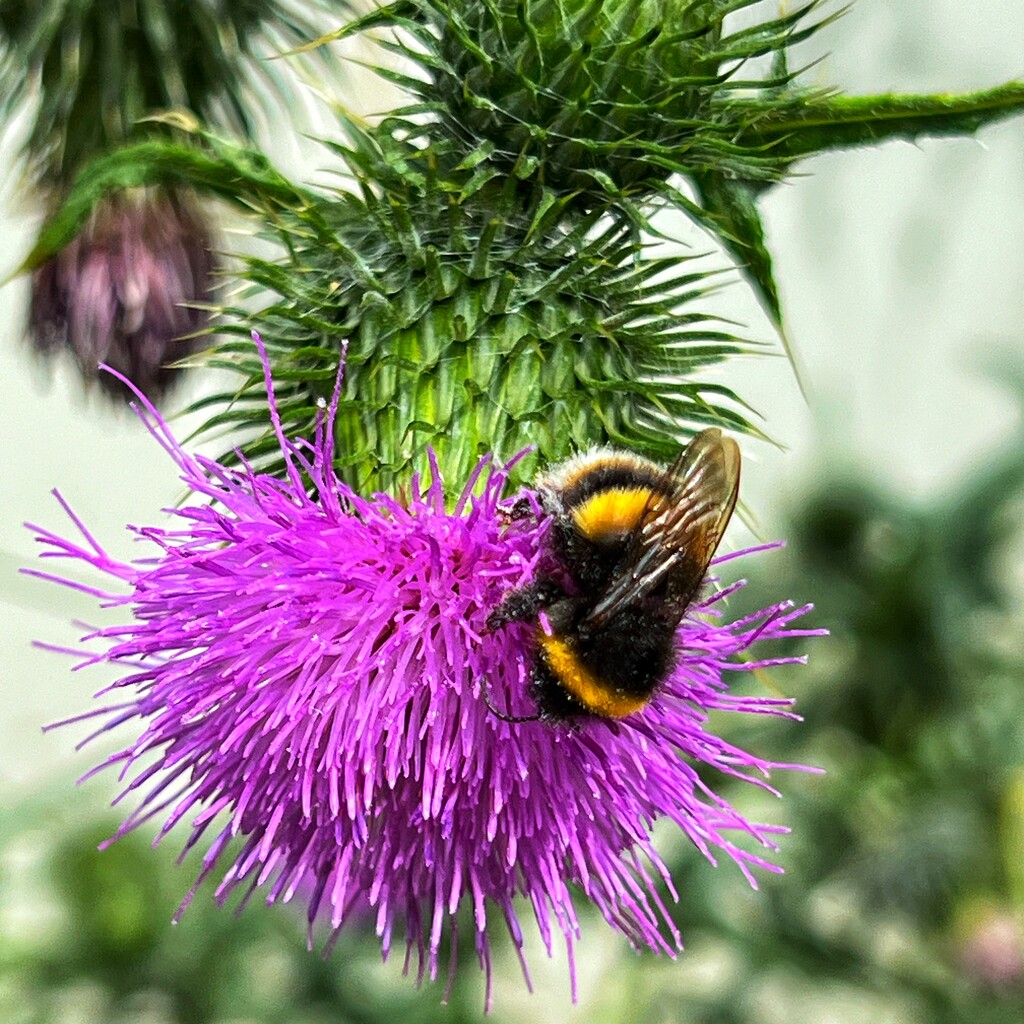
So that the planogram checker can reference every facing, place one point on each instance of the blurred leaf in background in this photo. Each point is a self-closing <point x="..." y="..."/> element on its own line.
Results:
<point x="909" y="854"/>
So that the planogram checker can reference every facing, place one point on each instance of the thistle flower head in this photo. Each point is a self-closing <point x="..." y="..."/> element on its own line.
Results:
<point x="125" y="291"/>
<point x="308" y="670"/>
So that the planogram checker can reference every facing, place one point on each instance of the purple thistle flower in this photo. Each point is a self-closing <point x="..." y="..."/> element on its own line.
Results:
<point x="307" y="669"/>
<point x="124" y="292"/>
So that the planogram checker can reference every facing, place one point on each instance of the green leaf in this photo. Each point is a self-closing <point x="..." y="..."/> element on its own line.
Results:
<point x="814" y="123"/>
<point x="731" y="206"/>
<point x="234" y="173"/>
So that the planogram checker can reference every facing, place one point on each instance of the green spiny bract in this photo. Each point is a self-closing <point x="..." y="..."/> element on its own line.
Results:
<point x="612" y="99"/>
<point x="610" y="96"/>
<point x="474" y="322"/>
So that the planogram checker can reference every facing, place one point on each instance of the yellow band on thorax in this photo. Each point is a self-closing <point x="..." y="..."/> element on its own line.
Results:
<point x="610" y="512"/>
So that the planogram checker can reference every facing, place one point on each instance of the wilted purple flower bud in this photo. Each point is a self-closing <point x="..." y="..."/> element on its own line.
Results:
<point x="123" y="292"/>
<point x="992" y="950"/>
<point x="307" y="669"/>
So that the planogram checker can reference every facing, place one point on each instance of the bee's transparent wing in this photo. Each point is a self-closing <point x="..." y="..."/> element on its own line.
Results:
<point x="678" y="534"/>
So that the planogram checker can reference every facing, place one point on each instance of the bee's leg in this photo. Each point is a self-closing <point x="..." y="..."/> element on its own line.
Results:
<point x="536" y="506"/>
<point x="504" y="716"/>
<point x="524" y="603"/>
<point x="523" y="508"/>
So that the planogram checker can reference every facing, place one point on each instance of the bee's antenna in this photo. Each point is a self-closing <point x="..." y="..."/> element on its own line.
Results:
<point x="514" y="719"/>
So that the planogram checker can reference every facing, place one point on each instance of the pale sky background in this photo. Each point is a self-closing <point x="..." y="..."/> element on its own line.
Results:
<point x="902" y="273"/>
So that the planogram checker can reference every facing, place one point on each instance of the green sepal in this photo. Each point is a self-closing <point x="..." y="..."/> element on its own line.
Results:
<point x="731" y="208"/>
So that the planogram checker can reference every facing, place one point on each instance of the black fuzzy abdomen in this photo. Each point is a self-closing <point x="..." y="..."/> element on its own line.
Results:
<point x="633" y="654"/>
<point x="629" y="658"/>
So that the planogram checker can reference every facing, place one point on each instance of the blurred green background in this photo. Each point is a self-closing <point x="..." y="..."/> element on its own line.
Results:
<point x="901" y="497"/>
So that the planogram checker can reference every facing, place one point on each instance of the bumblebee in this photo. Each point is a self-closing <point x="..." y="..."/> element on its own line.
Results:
<point x="630" y="542"/>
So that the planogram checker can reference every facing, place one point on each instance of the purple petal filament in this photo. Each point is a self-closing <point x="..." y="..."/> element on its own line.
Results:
<point x="305" y="670"/>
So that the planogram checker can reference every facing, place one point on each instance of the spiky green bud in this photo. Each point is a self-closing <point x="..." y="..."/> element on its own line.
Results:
<point x="610" y="96"/>
<point x="490" y="277"/>
<point x="614" y="98"/>
<point x="477" y="323"/>
<point x="591" y="88"/>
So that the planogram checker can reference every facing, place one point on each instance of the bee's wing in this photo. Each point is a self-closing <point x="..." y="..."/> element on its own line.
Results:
<point x="678" y="533"/>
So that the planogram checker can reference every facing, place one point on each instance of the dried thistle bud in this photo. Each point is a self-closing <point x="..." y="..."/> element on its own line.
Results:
<point x="125" y="291"/>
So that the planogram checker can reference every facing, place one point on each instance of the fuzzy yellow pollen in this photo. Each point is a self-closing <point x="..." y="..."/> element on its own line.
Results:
<point x="582" y="684"/>
<point x="611" y="513"/>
